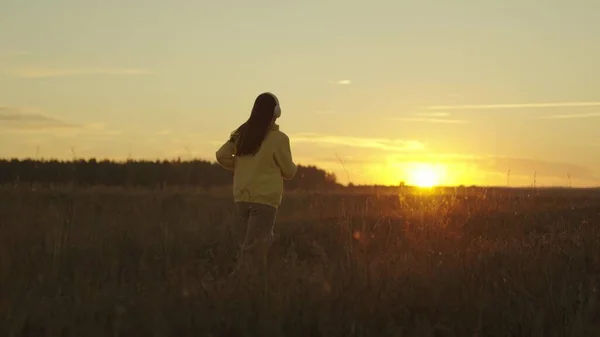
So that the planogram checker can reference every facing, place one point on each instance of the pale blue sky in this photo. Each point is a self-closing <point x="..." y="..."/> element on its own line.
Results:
<point x="477" y="86"/>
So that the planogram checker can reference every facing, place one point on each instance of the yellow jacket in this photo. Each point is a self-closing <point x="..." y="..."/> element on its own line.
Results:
<point x="259" y="178"/>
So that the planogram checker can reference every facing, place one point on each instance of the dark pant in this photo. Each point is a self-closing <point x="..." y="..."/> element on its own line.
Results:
<point x="257" y="222"/>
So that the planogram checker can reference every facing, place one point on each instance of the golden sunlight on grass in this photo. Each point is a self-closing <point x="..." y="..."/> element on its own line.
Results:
<point x="425" y="175"/>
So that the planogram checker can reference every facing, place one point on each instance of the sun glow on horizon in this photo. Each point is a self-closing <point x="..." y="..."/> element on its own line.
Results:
<point x="424" y="175"/>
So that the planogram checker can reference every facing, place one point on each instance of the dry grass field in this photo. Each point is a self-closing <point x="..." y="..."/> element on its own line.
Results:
<point x="118" y="262"/>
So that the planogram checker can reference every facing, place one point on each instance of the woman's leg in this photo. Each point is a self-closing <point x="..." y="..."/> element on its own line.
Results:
<point x="250" y="276"/>
<point x="260" y="223"/>
<point x="242" y="210"/>
<point x="259" y="229"/>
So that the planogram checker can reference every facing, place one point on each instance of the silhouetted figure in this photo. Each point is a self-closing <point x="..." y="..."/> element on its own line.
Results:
<point x="259" y="154"/>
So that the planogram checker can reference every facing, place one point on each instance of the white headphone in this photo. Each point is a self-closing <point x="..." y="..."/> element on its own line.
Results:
<point x="277" y="110"/>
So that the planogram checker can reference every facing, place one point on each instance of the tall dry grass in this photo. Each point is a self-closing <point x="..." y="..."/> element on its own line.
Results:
<point x="110" y="262"/>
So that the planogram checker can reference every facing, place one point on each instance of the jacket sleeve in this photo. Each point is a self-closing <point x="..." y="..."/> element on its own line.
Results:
<point x="225" y="156"/>
<point x="283" y="158"/>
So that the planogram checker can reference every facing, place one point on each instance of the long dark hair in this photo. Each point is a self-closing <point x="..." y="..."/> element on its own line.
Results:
<point x="251" y="134"/>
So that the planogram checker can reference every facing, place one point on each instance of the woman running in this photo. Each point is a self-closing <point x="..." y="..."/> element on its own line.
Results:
<point x="259" y="154"/>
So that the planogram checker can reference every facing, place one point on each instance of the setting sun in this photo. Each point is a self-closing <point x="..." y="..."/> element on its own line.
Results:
<point x="424" y="175"/>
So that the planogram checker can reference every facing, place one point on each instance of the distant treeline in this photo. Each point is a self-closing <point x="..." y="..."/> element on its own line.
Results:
<point x="195" y="173"/>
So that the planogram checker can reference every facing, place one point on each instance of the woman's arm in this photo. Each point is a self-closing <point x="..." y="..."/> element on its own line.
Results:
<point x="283" y="157"/>
<point x="225" y="156"/>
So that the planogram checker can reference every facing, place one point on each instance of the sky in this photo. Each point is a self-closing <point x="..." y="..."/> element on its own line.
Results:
<point x="481" y="92"/>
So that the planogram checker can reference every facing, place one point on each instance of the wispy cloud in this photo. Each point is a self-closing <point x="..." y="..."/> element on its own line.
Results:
<point x="515" y="106"/>
<point x="431" y="117"/>
<point x="65" y="130"/>
<point x="341" y="82"/>
<point x="360" y="142"/>
<point x="33" y="120"/>
<point x="20" y="121"/>
<point x="48" y="72"/>
<point x="432" y="114"/>
<point x="432" y="156"/>
<point x="431" y="120"/>
<point x="573" y="115"/>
